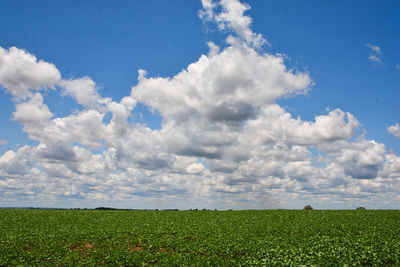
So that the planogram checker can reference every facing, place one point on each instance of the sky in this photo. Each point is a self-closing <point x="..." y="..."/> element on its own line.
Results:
<point x="200" y="104"/>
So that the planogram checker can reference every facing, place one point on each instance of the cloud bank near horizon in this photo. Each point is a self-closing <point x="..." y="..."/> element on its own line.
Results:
<point x="224" y="141"/>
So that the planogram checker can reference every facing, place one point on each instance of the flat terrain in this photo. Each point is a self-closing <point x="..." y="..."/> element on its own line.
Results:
<point x="215" y="238"/>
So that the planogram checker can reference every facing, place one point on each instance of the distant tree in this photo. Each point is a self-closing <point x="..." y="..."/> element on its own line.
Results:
<point x="307" y="207"/>
<point x="361" y="208"/>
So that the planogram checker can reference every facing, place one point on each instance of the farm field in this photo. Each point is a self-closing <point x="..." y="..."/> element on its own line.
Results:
<point x="214" y="238"/>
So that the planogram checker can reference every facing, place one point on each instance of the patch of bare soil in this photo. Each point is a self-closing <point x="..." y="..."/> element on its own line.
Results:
<point x="88" y="245"/>
<point x="138" y="247"/>
<point x="83" y="249"/>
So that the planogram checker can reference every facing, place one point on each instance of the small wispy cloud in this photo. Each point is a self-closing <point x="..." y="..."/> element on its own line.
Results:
<point x="398" y="66"/>
<point x="3" y="142"/>
<point x="374" y="53"/>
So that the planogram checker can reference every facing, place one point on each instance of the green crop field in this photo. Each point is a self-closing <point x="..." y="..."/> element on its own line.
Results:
<point x="214" y="238"/>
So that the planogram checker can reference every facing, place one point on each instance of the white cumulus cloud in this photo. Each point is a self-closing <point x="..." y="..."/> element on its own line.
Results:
<point x="232" y="17"/>
<point x="83" y="90"/>
<point x="20" y="71"/>
<point x="395" y="130"/>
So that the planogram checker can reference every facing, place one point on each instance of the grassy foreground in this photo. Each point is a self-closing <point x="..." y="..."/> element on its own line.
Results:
<point x="215" y="238"/>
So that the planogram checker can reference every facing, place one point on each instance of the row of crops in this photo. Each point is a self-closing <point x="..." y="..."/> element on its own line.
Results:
<point x="215" y="238"/>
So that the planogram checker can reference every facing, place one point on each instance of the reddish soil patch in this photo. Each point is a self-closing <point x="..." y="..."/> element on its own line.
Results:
<point x="88" y="245"/>
<point x="162" y="250"/>
<point x="138" y="247"/>
<point x="82" y="249"/>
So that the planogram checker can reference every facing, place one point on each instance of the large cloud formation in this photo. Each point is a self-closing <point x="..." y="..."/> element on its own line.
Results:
<point x="224" y="141"/>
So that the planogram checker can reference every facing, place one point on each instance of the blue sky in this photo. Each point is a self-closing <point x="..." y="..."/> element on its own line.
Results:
<point x="344" y="55"/>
